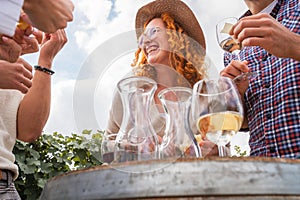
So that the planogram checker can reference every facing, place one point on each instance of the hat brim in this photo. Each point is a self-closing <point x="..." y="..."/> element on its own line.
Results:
<point x="178" y="10"/>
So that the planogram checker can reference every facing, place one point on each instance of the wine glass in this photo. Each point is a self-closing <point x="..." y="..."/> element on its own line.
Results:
<point x="108" y="147"/>
<point x="231" y="45"/>
<point x="217" y="110"/>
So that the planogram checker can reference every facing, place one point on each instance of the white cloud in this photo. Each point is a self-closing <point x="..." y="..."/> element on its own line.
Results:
<point x="61" y="116"/>
<point x="96" y="11"/>
<point x="99" y="27"/>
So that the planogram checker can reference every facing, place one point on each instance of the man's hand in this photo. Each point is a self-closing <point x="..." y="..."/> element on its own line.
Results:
<point x="234" y="69"/>
<point x="48" y="16"/>
<point x="15" y="75"/>
<point x="10" y="50"/>
<point x="264" y="31"/>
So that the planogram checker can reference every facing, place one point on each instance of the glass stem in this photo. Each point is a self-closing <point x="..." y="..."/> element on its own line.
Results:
<point x="221" y="151"/>
<point x="237" y="54"/>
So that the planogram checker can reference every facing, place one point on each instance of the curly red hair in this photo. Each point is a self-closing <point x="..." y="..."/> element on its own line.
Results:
<point x="186" y="56"/>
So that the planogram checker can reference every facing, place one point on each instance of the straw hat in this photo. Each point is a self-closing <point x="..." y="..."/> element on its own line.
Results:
<point x="178" y="10"/>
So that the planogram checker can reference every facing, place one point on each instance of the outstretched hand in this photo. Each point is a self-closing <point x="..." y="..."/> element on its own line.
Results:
<point x="51" y="45"/>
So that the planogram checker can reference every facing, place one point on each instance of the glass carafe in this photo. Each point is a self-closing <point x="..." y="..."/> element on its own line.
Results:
<point x="136" y="139"/>
<point x="177" y="140"/>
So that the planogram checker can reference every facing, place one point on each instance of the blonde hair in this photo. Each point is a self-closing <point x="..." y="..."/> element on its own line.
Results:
<point x="186" y="56"/>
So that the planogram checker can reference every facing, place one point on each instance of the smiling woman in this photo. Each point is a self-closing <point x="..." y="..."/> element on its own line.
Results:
<point x="171" y="50"/>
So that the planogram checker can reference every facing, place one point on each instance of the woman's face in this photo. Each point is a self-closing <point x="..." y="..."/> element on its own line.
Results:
<point x="154" y="42"/>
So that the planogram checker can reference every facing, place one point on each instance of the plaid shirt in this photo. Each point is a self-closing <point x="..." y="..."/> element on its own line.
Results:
<point x="273" y="98"/>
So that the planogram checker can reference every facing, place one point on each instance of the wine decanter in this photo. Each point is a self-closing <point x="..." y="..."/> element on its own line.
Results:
<point x="136" y="139"/>
<point x="177" y="141"/>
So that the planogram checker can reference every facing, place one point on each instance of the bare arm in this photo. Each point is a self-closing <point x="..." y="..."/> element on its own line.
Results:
<point x="35" y="107"/>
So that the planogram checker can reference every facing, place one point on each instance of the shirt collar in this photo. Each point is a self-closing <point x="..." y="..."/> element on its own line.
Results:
<point x="270" y="7"/>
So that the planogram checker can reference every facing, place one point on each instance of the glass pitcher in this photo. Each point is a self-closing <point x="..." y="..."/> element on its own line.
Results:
<point x="136" y="139"/>
<point x="178" y="140"/>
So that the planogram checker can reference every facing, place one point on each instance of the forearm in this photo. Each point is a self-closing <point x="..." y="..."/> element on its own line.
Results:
<point x="35" y="107"/>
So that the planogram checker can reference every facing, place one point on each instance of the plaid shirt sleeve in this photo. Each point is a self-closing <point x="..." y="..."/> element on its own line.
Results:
<point x="273" y="98"/>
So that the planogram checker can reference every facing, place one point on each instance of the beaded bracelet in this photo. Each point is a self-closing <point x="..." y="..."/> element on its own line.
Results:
<point x="43" y="69"/>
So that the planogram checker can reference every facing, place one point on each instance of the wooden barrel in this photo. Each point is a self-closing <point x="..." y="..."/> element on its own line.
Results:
<point x="206" y="178"/>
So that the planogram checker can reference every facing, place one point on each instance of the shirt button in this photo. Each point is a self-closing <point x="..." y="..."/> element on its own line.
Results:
<point x="268" y="115"/>
<point x="264" y="58"/>
<point x="267" y="85"/>
<point x="272" y="149"/>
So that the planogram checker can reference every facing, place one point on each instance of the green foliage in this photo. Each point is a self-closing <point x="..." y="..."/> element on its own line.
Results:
<point x="51" y="155"/>
<point x="239" y="151"/>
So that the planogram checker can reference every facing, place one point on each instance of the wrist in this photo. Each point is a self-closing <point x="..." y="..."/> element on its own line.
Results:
<point x="47" y="64"/>
<point x="44" y="69"/>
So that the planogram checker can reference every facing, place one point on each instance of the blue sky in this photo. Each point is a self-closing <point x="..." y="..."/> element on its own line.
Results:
<point x="99" y="52"/>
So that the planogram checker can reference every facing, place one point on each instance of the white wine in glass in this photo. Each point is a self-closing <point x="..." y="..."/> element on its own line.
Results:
<point x="231" y="45"/>
<point x="220" y="127"/>
<point x="217" y="110"/>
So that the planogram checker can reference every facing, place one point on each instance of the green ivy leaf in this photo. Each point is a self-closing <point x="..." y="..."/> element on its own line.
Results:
<point x="51" y="155"/>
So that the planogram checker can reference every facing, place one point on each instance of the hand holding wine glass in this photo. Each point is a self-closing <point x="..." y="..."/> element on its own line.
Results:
<point x="230" y="44"/>
<point x="217" y="110"/>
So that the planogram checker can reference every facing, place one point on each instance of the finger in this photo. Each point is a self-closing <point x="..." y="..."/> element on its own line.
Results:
<point x="206" y="144"/>
<point x="11" y="43"/>
<point x="237" y="66"/>
<point x="38" y="35"/>
<point x="21" y="87"/>
<point x="26" y="82"/>
<point x="242" y="25"/>
<point x="28" y="74"/>
<point x="18" y="35"/>
<point x="227" y="75"/>
<point x="255" y="41"/>
<point x="71" y="8"/>
<point x="24" y="74"/>
<point x="25" y="64"/>
<point x="62" y="36"/>
<point x="28" y="30"/>
<point x="258" y="21"/>
<point x="46" y="38"/>
<point x="25" y="18"/>
<point x="252" y="32"/>
<point x="258" y="16"/>
<point x="210" y="151"/>
<point x="32" y="44"/>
